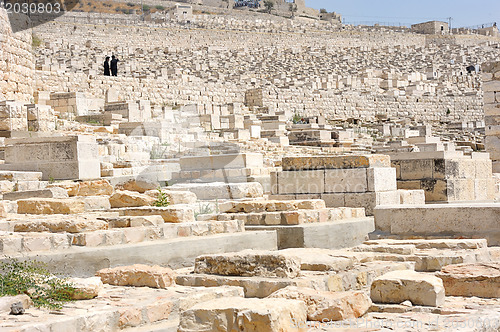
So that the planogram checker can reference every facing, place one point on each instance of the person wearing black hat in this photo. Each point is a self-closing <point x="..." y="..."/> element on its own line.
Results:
<point x="106" y="67"/>
<point x="114" y="66"/>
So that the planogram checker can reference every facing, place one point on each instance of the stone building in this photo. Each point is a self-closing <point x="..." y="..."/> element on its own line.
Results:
<point x="181" y="12"/>
<point x="431" y="28"/>
<point x="302" y="9"/>
<point x="331" y="17"/>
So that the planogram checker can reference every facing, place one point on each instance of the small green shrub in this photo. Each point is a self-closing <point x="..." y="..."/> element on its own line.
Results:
<point x="204" y="209"/>
<point x="296" y="118"/>
<point x="162" y="199"/>
<point x="36" y="41"/>
<point x="33" y="279"/>
<point x="158" y="151"/>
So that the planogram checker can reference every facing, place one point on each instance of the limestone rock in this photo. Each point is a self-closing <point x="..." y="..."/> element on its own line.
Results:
<point x="480" y="279"/>
<point x="71" y="187"/>
<point x="221" y="190"/>
<point x="59" y="226"/>
<point x="129" y="199"/>
<point x="207" y="294"/>
<point x="140" y="186"/>
<point x="86" y="288"/>
<point x="17" y="308"/>
<point x="94" y="188"/>
<point x="271" y="206"/>
<point x="7" y="301"/>
<point x="95" y="203"/>
<point x="170" y="214"/>
<point x="138" y="275"/>
<point x="54" y="192"/>
<point x="249" y="263"/>
<point x="235" y="314"/>
<point x="3" y="209"/>
<point x="327" y="306"/>
<point x="175" y="197"/>
<point x="399" y="286"/>
<point x="50" y="206"/>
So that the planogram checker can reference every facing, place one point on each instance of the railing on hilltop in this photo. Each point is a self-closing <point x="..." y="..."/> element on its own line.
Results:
<point x="377" y="23"/>
<point x="481" y="26"/>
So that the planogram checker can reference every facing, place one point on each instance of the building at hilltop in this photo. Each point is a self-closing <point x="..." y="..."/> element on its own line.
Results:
<point x="431" y="28"/>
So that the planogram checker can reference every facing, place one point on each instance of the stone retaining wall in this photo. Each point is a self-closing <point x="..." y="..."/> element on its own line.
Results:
<point x="16" y="62"/>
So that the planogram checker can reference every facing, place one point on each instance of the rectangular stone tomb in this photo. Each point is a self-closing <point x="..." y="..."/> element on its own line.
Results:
<point x="58" y="158"/>
<point x="472" y="220"/>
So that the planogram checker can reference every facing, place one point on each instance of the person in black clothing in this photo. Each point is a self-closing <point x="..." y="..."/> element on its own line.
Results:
<point x="106" y="67"/>
<point x="114" y="66"/>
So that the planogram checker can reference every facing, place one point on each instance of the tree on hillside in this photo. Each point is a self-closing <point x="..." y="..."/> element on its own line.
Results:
<point x="323" y="11"/>
<point x="269" y="4"/>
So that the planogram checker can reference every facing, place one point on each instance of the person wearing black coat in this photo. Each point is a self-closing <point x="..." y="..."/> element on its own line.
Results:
<point x="106" y="67"/>
<point x="114" y="66"/>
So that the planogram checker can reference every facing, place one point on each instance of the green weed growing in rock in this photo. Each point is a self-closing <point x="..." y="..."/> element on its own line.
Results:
<point x="33" y="279"/>
<point x="162" y="199"/>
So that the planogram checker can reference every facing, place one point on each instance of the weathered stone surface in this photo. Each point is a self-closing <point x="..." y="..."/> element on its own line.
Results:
<point x="44" y="193"/>
<point x="122" y="198"/>
<point x="140" y="185"/>
<point x="234" y="314"/>
<point x="220" y="190"/>
<point x="455" y="244"/>
<point x="7" y="301"/>
<point x="50" y="206"/>
<point x="175" y="197"/>
<point x="249" y="263"/>
<point x="86" y="288"/>
<point x="471" y="220"/>
<point x="327" y="306"/>
<point x="480" y="279"/>
<point x="271" y="206"/>
<point x="171" y="214"/>
<point x="335" y="162"/>
<point x="94" y="188"/>
<point x="315" y="259"/>
<point x="3" y="209"/>
<point x="138" y="275"/>
<point x="58" y="226"/>
<point x="207" y="294"/>
<point x="95" y="203"/>
<point x="399" y="286"/>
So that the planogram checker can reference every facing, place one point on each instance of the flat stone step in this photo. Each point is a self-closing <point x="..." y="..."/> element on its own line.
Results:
<point x="221" y="190"/>
<point x="480" y="279"/>
<point x="295" y="216"/>
<point x="24" y="242"/>
<point x="330" y="235"/>
<point x="433" y="243"/>
<point x="176" y="253"/>
<point x="20" y="176"/>
<point x="256" y="206"/>
<point x="469" y="220"/>
<point x="7" y="186"/>
<point x="356" y="278"/>
<point x="170" y="214"/>
<point x="43" y="193"/>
